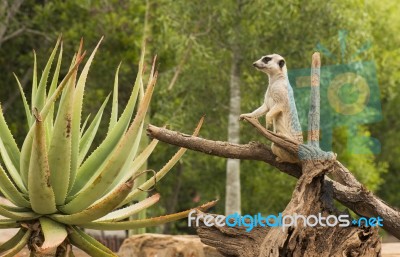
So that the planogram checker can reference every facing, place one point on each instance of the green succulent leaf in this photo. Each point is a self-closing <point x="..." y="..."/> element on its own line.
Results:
<point x="26" y="105"/>
<point x="8" y="162"/>
<point x="60" y="147"/>
<point x="40" y="97"/>
<point x="92" y="240"/>
<point x="77" y="113"/>
<point x="130" y="210"/>
<point x="54" y="235"/>
<point x="34" y="80"/>
<point x="97" y="210"/>
<point x="10" y="191"/>
<point x="114" y="109"/>
<point x="8" y="141"/>
<point x="12" y="242"/>
<point x="132" y="224"/>
<point x="88" y="137"/>
<point x="27" y="145"/>
<point x="134" y="167"/>
<point x="18" y="216"/>
<point x="16" y="243"/>
<point x="91" y="167"/>
<point x="84" y="125"/>
<point x="41" y="193"/>
<point x="164" y="170"/>
<point x="88" y="246"/>
<point x="7" y="223"/>
<point x="53" y="86"/>
<point x="124" y="153"/>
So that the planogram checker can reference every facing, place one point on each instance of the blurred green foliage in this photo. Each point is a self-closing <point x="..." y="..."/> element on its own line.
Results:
<point x="194" y="39"/>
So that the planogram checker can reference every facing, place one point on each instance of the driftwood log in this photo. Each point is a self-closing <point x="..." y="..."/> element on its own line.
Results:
<point x="314" y="194"/>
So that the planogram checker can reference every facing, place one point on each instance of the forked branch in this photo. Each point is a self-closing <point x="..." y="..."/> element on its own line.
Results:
<point x="352" y="194"/>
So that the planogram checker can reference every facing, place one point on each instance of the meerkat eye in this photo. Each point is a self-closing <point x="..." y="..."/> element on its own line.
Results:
<point x="281" y="63"/>
<point x="266" y="59"/>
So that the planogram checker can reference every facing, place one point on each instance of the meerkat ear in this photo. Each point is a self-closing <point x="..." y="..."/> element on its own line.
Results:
<point x="281" y="63"/>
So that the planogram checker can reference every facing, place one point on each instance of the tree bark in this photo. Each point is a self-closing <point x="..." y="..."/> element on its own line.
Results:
<point x="299" y="240"/>
<point x="349" y="191"/>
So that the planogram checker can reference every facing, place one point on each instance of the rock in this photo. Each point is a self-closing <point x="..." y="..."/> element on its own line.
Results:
<point x="156" y="245"/>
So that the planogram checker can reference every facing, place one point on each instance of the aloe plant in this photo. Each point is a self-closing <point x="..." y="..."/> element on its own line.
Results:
<point x="56" y="187"/>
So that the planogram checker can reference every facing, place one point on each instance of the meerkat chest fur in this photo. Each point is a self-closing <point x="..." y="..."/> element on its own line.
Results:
<point x="277" y="98"/>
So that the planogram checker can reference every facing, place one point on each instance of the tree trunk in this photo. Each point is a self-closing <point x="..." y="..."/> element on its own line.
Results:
<point x="311" y="197"/>
<point x="232" y="201"/>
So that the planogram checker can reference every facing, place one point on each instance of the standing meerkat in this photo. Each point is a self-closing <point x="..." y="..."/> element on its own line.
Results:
<point x="279" y="106"/>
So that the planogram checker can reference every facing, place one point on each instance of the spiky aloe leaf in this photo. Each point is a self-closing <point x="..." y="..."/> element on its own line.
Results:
<point x="91" y="240"/>
<point x="41" y="193"/>
<point x="77" y="113"/>
<point x="88" y="246"/>
<point x="8" y="162"/>
<point x="27" y="145"/>
<point x="53" y="86"/>
<point x="114" y="109"/>
<point x="88" y="137"/>
<point x="17" y="243"/>
<point x="164" y="170"/>
<point x="84" y="125"/>
<point x="12" y="242"/>
<point x="7" y="223"/>
<point x="123" y="153"/>
<point x="10" y="191"/>
<point x="130" y="210"/>
<point x="34" y="80"/>
<point x="91" y="167"/>
<point x="40" y="97"/>
<point x="132" y="224"/>
<point x="134" y="166"/>
<point x="15" y="208"/>
<point x="18" y="216"/>
<point x="60" y="147"/>
<point x="98" y="210"/>
<point x="8" y="141"/>
<point x="26" y="105"/>
<point x="54" y="235"/>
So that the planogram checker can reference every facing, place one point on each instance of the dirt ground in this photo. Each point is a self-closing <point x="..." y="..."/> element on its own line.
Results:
<point x="391" y="249"/>
<point x="388" y="250"/>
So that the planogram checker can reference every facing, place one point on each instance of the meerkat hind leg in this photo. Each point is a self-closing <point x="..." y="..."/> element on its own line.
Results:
<point x="283" y="156"/>
<point x="274" y="125"/>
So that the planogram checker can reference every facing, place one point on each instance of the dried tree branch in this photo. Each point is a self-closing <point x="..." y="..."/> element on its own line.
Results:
<point x="353" y="195"/>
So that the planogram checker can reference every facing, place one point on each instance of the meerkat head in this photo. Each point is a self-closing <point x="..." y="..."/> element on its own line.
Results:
<point x="271" y="64"/>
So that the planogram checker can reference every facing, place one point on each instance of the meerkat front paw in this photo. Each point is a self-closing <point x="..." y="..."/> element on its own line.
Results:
<point x="248" y="115"/>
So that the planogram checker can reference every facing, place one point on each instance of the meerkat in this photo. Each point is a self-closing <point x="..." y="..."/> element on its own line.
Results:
<point x="279" y="106"/>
